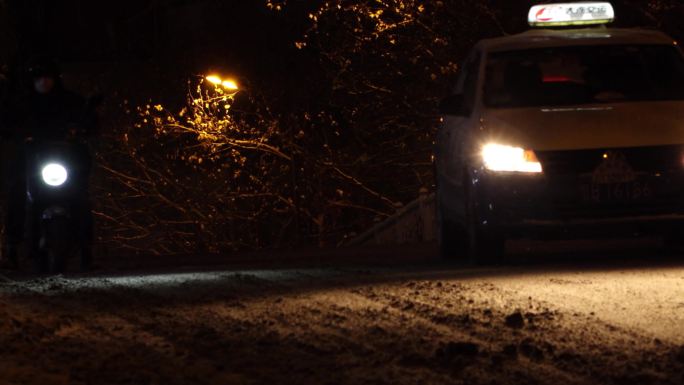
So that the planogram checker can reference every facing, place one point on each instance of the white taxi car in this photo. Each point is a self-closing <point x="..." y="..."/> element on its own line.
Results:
<point x="572" y="129"/>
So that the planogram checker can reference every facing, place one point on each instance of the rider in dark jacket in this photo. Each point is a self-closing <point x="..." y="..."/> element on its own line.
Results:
<point x="48" y="112"/>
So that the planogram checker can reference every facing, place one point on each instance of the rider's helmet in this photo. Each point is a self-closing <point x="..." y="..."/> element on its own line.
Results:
<point x="44" y="74"/>
<point x="44" y="66"/>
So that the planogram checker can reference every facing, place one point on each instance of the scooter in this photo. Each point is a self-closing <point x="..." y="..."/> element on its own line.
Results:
<point x="57" y="202"/>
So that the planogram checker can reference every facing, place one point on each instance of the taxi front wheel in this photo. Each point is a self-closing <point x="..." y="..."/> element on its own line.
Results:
<point x="453" y="242"/>
<point x="486" y="245"/>
<point x="451" y="237"/>
<point x="471" y="242"/>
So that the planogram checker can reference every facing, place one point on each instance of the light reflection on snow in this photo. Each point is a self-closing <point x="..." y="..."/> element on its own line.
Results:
<point x="175" y="280"/>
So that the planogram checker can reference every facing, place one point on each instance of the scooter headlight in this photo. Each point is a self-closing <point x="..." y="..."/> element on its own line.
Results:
<point x="54" y="174"/>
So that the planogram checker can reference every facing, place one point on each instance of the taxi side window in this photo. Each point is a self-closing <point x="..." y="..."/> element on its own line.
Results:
<point x="471" y="72"/>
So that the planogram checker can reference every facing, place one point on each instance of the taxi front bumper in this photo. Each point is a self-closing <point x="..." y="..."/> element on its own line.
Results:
<point x="543" y="206"/>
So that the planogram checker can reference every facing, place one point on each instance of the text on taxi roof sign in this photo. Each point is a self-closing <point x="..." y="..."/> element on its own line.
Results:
<point x="568" y="14"/>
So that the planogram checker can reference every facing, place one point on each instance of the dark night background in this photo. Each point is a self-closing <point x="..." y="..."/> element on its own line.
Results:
<point x="182" y="36"/>
<point x="350" y="100"/>
<point x="175" y="38"/>
<point x="192" y="32"/>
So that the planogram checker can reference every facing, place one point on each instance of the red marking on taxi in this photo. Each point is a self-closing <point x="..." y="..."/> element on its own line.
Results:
<point x="541" y="13"/>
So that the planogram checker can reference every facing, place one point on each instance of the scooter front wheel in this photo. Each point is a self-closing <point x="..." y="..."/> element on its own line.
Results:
<point x="57" y="245"/>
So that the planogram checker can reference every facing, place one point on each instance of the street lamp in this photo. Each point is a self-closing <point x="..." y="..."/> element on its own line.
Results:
<point x="228" y="84"/>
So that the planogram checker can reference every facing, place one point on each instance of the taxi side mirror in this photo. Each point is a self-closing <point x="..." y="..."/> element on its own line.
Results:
<point x="452" y="105"/>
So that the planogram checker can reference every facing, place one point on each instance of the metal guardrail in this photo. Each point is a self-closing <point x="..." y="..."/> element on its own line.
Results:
<point x="414" y="223"/>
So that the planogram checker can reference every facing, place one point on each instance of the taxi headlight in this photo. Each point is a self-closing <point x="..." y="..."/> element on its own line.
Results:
<point x="497" y="157"/>
<point x="54" y="174"/>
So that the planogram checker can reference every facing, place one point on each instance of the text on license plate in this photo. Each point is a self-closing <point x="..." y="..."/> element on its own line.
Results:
<point x="616" y="192"/>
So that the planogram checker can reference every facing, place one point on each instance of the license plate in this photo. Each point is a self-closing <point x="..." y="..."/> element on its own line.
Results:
<point x="617" y="192"/>
<point x="615" y="181"/>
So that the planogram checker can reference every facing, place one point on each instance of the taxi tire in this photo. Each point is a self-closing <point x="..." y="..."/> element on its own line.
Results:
<point x="485" y="245"/>
<point x="452" y="242"/>
<point x="451" y="237"/>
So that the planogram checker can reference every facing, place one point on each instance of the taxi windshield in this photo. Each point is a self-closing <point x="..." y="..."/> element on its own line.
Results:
<point x="562" y="76"/>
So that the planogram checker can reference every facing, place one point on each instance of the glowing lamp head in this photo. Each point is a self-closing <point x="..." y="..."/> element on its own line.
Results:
<point x="54" y="174"/>
<point x="214" y="79"/>
<point x="230" y="85"/>
<point x="227" y="84"/>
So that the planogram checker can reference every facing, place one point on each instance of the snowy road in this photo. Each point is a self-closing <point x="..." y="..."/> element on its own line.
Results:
<point x="611" y="320"/>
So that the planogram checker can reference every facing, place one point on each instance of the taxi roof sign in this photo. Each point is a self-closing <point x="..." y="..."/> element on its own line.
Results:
<point x="569" y="14"/>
